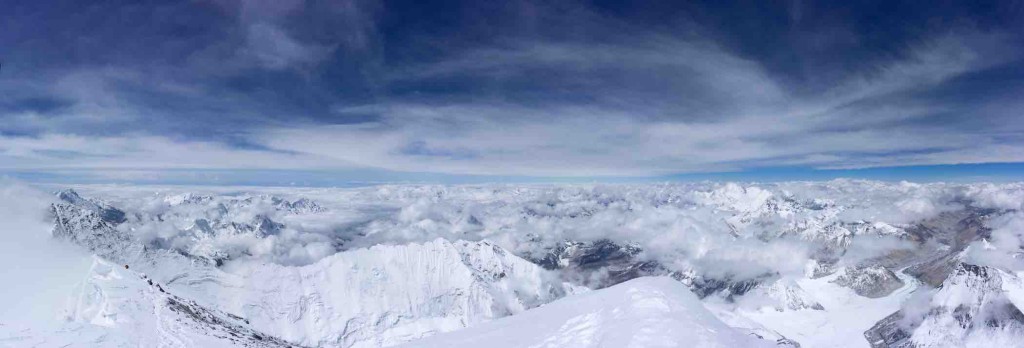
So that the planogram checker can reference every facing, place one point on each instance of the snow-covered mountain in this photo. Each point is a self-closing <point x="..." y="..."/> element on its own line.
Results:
<point x="372" y="297"/>
<point x="840" y="263"/>
<point x="361" y="298"/>
<point x="870" y="281"/>
<point x="386" y="295"/>
<point x="972" y="307"/>
<point x="92" y="225"/>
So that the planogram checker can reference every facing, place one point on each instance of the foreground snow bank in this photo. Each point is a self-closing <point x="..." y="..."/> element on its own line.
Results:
<point x="644" y="312"/>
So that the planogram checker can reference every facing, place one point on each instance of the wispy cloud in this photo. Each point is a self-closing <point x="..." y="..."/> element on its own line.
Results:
<point x="55" y="151"/>
<point x="870" y="120"/>
<point x="299" y="85"/>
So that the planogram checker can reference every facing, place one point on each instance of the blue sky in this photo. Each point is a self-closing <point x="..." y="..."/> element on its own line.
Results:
<point x="328" y="92"/>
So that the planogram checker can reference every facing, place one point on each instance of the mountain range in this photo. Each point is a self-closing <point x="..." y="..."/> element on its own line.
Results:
<point x="808" y="264"/>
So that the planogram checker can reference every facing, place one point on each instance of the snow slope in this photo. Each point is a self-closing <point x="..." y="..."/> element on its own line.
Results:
<point x="842" y="321"/>
<point x="375" y="297"/>
<point x="641" y="313"/>
<point x="387" y="295"/>
<point x="972" y="308"/>
<point x="117" y="307"/>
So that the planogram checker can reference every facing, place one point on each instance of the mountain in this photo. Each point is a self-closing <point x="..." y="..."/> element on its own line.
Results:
<point x="92" y="225"/>
<point x="643" y="312"/>
<point x="870" y="281"/>
<point x="362" y="298"/>
<point x="388" y="294"/>
<point x="970" y="308"/>
<point x="842" y="263"/>
<point x="106" y="212"/>
<point x="372" y="297"/>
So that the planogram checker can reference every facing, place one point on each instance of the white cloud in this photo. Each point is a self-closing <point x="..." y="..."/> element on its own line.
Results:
<point x="268" y="41"/>
<point x="695" y="66"/>
<point x="275" y="49"/>
<point x="749" y="119"/>
<point x="63" y="151"/>
<point x="768" y="127"/>
<point x="45" y="269"/>
<point x="1005" y="247"/>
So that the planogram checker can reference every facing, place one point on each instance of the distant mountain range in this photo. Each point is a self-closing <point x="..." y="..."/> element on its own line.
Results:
<point x="840" y="263"/>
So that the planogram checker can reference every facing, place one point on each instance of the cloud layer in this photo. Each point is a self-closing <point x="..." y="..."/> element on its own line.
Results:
<point x="516" y="89"/>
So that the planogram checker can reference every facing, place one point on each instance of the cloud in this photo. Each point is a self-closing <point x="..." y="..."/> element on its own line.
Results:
<point x="275" y="49"/>
<point x="199" y="69"/>
<point x="47" y="269"/>
<point x="1004" y="249"/>
<point x="701" y="76"/>
<point x="855" y="125"/>
<point x="867" y="247"/>
<point x="263" y="84"/>
<point x="268" y="40"/>
<point x="63" y="151"/>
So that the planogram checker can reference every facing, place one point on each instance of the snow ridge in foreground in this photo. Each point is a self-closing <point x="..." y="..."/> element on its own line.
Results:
<point x="644" y="312"/>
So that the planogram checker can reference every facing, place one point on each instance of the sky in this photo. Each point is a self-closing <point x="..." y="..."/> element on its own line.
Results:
<point x="336" y="92"/>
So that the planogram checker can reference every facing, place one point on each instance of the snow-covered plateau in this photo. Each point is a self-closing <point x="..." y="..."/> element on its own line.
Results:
<point x="843" y="263"/>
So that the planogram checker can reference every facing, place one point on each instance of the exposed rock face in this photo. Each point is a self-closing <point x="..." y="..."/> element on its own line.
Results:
<point x="955" y="230"/>
<point x="106" y="212"/>
<point x="604" y="263"/>
<point x="588" y="255"/>
<point x="300" y="206"/>
<point x="870" y="281"/>
<point x="94" y="229"/>
<point x="727" y="287"/>
<point x="260" y="226"/>
<point x="618" y="262"/>
<point x="224" y="326"/>
<point x="889" y="333"/>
